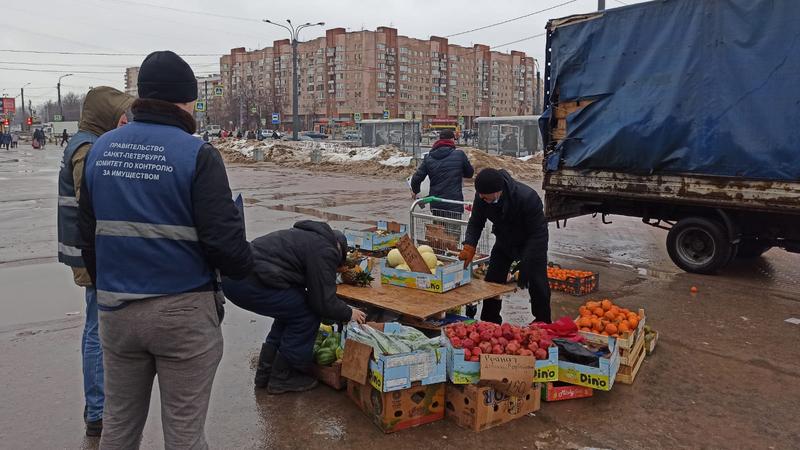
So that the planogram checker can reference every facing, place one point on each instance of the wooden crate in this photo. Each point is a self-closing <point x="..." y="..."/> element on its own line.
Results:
<point x="627" y="357"/>
<point x="560" y="113"/>
<point x="627" y="374"/>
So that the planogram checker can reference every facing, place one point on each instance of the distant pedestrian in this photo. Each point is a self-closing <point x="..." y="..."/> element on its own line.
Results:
<point x="238" y="134"/>
<point x="14" y="140"/>
<point x="446" y="166"/>
<point x="103" y="110"/>
<point x="64" y="138"/>
<point x="39" y="140"/>
<point x="155" y="239"/>
<point x="205" y="136"/>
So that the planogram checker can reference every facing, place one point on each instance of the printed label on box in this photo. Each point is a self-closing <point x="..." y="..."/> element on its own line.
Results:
<point x="407" y="360"/>
<point x="396" y="383"/>
<point x="545" y="374"/>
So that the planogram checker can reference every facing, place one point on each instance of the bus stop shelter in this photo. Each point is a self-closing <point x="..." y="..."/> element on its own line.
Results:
<point x="511" y="135"/>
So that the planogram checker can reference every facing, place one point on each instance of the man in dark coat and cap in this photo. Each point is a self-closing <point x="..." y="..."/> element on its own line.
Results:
<point x="519" y="224"/>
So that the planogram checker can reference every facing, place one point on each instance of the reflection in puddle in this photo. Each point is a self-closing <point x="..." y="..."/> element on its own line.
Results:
<point x="313" y="212"/>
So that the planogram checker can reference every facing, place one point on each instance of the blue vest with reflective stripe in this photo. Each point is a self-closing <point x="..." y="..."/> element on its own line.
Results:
<point x="140" y="180"/>
<point x="68" y="235"/>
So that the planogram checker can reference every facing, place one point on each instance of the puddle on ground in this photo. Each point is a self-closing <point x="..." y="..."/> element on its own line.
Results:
<point x="329" y="216"/>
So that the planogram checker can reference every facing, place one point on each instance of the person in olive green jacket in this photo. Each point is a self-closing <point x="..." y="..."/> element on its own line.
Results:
<point x="104" y="109"/>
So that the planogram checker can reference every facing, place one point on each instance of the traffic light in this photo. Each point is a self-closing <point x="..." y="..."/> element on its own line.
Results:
<point x="6" y="122"/>
<point x="29" y="121"/>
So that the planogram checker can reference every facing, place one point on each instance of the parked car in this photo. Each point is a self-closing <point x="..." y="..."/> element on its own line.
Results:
<point x="264" y="133"/>
<point x="214" y="130"/>
<point x="352" y="136"/>
<point x="315" y="135"/>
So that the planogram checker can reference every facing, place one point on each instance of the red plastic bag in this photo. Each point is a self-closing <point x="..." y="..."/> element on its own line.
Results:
<point x="564" y="328"/>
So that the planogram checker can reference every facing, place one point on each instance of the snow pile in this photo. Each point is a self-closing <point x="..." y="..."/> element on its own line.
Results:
<point x="386" y="160"/>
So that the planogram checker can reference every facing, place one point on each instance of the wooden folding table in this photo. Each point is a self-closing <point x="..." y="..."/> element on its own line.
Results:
<point x="421" y="304"/>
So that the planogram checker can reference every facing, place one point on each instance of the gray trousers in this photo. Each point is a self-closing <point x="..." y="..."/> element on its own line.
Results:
<point x="176" y="337"/>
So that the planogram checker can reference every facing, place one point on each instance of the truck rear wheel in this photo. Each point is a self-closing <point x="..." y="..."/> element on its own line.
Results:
<point x="699" y="245"/>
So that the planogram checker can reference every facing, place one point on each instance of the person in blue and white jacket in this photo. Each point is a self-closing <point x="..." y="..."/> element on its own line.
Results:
<point x="158" y="222"/>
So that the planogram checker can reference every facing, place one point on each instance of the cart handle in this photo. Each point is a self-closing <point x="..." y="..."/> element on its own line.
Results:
<point x="432" y="198"/>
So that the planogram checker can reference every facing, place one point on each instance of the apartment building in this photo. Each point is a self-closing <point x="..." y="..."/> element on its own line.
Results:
<point x="211" y="99"/>
<point x="346" y="76"/>
<point x="131" y="77"/>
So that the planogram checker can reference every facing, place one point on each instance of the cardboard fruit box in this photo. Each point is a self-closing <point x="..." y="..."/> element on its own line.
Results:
<point x="399" y="410"/>
<point x="558" y="391"/>
<point x="600" y="378"/>
<point x="447" y="277"/>
<point x="626" y="341"/>
<point x="330" y="375"/>
<point x="460" y="371"/>
<point x="479" y="408"/>
<point x="388" y="373"/>
<point x="381" y="237"/>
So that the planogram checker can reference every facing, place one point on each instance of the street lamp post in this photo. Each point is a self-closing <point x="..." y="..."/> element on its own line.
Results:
<point x="58" y="87"/>
<point x="22" y="93"/>
<point x="294" y="33"/>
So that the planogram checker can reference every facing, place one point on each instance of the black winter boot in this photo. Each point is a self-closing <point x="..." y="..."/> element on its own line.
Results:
<point x="264" y="368"/>
<point x="285" y="378"/>
<point x="94" y="429"/>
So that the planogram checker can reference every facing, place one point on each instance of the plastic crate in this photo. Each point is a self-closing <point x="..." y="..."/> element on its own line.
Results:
<point x="577" y="286"/>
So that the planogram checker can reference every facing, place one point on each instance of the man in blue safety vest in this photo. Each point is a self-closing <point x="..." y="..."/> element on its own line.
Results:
<point x="158" y="223"/>
<point x="103" y="110"/>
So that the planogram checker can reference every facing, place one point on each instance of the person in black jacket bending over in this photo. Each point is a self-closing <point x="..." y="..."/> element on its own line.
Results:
<point x="446" y="166"/>
<point x="521" y="231"/>
<point x="294" y="282"/>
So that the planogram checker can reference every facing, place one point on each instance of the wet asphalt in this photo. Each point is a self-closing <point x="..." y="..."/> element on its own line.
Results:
<point x="724" y="374"/>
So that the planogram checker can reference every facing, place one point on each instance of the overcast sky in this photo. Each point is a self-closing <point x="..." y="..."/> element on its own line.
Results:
<point x="212" y="28"/>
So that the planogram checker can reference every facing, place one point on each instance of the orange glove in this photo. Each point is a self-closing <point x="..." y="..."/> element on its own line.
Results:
<point x="467" y="254"/>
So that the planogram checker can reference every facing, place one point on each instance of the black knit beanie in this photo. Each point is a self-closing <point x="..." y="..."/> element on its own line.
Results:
<point x="489" y="181"/>
<point x="447" y="134"/>
<point x="342" y="240"/>
<point x="166" y="76"/>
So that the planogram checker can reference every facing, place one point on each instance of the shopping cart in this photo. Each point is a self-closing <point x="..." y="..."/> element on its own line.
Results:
<point x="445" y="230"/>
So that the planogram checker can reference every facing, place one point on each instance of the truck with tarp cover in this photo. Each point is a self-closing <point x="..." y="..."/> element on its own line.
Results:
<point x="685" y="113"/>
